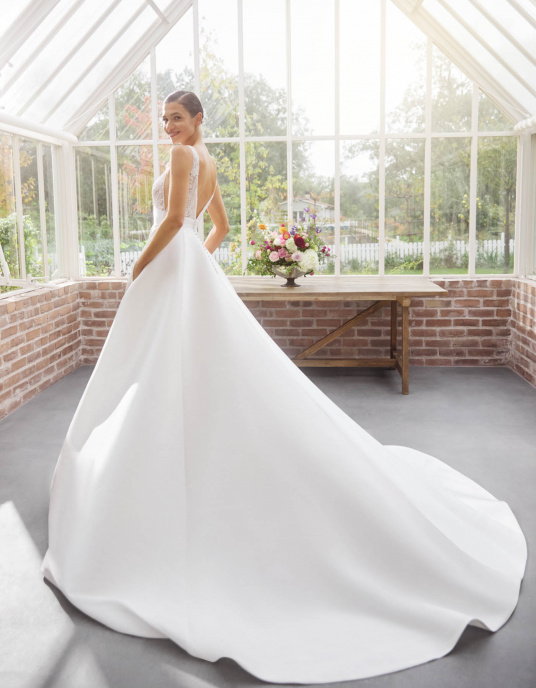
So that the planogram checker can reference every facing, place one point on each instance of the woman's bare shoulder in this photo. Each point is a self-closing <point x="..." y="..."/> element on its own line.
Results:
<point x="181" y="156"/>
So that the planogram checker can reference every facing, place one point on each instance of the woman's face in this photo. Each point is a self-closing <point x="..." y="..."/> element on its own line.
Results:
<point x="179" y="125"/>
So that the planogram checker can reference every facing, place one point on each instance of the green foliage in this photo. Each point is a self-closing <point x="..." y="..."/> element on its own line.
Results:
<point x="9" y="240"/>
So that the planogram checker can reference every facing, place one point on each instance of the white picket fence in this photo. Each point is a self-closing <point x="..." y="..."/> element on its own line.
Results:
<point x="360" y="252"/>
<point x="403" y="249"/>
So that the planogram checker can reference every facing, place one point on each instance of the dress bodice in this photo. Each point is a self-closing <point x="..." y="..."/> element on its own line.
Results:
<point x="191" y="203"/>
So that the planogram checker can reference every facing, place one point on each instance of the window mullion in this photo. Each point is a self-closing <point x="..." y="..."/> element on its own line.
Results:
<point x="242" y="137"/>
<point x="473" y="183"/>
<point x="337" y="178"/>
<point x="381" y="159"/>
<point x="115" y="186"/>
<point x="427" y="159"/>
<point x="42" y="210"/>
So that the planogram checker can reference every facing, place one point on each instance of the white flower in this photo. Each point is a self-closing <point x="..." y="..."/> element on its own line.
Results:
<point x="277" y="241"/>
<point x="290" y="245"/>
<point x="309" y="260"/>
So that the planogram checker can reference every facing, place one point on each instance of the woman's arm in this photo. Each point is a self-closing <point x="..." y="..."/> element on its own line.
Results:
<point x="181" y="158"/>
<point x="217" y="213"/>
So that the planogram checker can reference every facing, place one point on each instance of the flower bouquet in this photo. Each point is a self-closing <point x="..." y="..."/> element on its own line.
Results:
<point x="289" y="253"/>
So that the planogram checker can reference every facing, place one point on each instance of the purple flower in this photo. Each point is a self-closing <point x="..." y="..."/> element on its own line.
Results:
<point x="313" y="216"/>
<point x="306" y="210"/>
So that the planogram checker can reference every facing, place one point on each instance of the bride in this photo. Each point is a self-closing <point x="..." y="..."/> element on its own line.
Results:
<point x="208" y="492"/>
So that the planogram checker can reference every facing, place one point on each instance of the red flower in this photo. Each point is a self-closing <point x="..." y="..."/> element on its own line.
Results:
<point x="299" y="241"/>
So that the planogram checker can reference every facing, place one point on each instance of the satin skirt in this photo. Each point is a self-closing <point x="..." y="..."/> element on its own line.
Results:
<point x="208" y="492"/>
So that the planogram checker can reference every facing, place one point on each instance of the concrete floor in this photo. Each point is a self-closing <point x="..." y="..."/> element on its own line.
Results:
<point x="482" y="421"/>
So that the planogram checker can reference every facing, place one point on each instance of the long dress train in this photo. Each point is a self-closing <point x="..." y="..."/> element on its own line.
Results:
<point x="207" y="491"/>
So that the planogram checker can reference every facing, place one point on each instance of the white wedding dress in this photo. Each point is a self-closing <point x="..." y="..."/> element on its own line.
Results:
<point x="208" y="492"/>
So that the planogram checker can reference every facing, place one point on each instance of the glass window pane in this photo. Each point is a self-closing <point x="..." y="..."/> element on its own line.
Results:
<point x="359" y="207"/>
<point x="228" y="253"/>
<point x="313" y="66"/>
<point x="451" y="95"/>
<point x="359" y="67"/>
<point x="405" y="73"/>
<point x="495" y="216"/>
<point x="449" y="206"/>
<point x="98" y="127"/>
<point x="490" y="118"/>
<point x="33" y="243"/>
<point x="313" y="187"/>
<point x="266" y="190"/>
<point x="94" y="192"/>
<point x="404" y="206"/>
<point x="9" y="239"/>
<point x="266" y="182"/>
<point x="218" y="54"/>
<point x="135" y="180"/>
<point x="265" y="84"/>
<point x="133" y="105"/>
<point x="175" y="63"/>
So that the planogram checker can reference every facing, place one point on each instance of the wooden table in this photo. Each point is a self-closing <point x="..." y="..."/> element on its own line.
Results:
<point x="386" y="290"/>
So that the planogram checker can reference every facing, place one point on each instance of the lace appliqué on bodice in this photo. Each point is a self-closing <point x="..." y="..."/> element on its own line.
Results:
<point x="191" y="203"/>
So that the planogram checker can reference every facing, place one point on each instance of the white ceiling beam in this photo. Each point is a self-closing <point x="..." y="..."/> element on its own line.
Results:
<point x="526" y="126"/>
<point x="17" y="125"/>
<point x="22" y="28"/>
<point x="465" y="61"/>
<point x="126" y="66"/>
<point x="43" y="84"/>
<point x="158" y="11"/>
<point x="32" y="56"/>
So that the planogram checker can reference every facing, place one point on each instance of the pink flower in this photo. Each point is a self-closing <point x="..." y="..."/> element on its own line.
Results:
<point x="253" y="241"/>
<point x="258" y="254"/>
<point x="297" y="256"/>
<point x="274" y="256"/>
<point x="282" y="252"/>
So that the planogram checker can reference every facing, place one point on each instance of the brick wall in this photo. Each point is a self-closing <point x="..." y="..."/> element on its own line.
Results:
<point x="39" y="340"/>
<point x="523" y="329"/>
<point x="468" y="326"/>
<point x="46" y="333"/>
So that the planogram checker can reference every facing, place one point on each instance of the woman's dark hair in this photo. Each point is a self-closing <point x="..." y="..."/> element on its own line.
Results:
<point x="188" y="100"/>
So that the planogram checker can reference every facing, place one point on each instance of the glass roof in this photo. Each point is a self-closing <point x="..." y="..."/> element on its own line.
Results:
<point x="60" y="59"/>
<point x="493" y="42"/>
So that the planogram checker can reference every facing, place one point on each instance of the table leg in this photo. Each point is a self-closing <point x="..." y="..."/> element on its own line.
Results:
<point x="394" y="324"/>
<point x="405" y="302"/>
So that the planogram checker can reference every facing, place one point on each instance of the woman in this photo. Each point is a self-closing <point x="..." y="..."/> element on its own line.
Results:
<point x="208" y="492"/>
